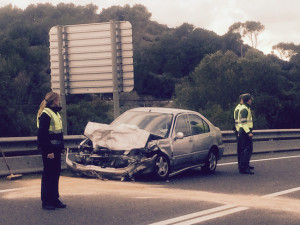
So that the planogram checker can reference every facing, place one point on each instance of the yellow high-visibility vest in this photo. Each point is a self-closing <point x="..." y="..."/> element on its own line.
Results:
<point x="245" y="123"/>
<point x="236" y="115"/>
<point x="55" y="122"/>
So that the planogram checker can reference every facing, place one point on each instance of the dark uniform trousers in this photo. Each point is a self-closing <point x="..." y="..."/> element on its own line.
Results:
<point x="50" y="178"/>
<point x="245" y="148"/>
<point x="238" y="148"/>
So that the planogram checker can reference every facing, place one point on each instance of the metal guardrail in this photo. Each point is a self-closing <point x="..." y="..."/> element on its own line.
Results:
<point x="23" y="157"/>
<point x="266" y="140"/>
<point x="24" y="144"/>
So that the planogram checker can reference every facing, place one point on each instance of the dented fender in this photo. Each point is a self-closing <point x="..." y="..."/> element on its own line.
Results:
<point x="164" y="146"/>
<point x="141" y="165"/>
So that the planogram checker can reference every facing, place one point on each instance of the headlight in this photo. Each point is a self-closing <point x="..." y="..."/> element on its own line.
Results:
<point x="152" y="146"/>
<point x="86" y="143"/>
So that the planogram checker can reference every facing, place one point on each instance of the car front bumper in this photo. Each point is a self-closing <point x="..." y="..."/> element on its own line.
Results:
<point x="144" y="166"/>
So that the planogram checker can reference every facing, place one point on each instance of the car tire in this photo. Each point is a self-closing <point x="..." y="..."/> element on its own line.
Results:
<point x="161" y="167"/>
<point x="210" y="163"/>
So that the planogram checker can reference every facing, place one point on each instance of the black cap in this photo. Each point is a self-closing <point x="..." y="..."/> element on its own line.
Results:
<point x="246" y="97"/>
<point x="241" y="97"/>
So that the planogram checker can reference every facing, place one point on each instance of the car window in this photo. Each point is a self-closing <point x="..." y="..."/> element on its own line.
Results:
<point x="182" y="125"/>
<point x="206" y="127"/>
<point x="155" y="123"/>
<point x="198" y="125"/>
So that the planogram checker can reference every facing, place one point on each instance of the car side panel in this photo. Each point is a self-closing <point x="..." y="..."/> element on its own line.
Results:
<point x="182" y="149"/>
<point x="202" y="144"/>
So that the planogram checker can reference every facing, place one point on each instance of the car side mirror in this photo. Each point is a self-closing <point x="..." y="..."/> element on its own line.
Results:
<point x="179" y="135"/>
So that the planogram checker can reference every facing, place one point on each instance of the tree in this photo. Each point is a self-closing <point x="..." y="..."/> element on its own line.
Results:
<point x="24" y="60"/>
<point x="213" y="85"/>
<point x="286" y="50"/>
<point x="197" y="68"/>
<point x="175" y="53"/>
<point x="82" y="112"/>
<point x="216" y="83"/>
<point x="233" y="42"/>
<point x="250" y="29"/>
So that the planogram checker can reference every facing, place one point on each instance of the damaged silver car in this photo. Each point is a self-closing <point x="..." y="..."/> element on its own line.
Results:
<point x="158" y="141"/>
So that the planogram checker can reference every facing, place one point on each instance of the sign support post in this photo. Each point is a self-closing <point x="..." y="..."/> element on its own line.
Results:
<point x="116" y="96"/>
<point x="62" y="80"/>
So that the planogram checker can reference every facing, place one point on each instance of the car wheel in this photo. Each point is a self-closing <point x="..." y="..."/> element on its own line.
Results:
<point x="211" y="162"/>
<point x="162" y="167"/>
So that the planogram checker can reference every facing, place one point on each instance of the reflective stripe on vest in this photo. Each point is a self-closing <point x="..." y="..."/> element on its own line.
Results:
<point x="245" y="123"/>
<point x="55" y="122"/>
<point x="236" y="116"/>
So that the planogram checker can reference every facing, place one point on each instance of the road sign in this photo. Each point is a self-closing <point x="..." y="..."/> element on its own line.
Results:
<point x="88" y="57"/>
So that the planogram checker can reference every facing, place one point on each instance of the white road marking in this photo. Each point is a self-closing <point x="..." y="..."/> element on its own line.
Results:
<point x="193" y="215"/>
<point x="209" y="214"/>
<point x="146" y="197"/>
<point x="213" y="213"/>
<point x="260" y="160"/>
<point x="12" y="189"/>
<point x="281" y="192"/>
<point x="212" y="216"/>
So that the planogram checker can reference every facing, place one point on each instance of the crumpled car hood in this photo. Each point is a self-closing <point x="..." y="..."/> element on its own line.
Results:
<point x="122" y="137"/>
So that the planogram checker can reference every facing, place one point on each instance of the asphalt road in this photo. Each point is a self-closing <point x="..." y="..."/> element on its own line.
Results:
<point x="270" y="196"/>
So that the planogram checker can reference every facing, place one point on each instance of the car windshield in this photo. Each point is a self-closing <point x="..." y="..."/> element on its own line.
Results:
<point x="155" y="123"/>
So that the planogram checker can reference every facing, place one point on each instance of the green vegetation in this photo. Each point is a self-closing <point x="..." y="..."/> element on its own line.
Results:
<point x="195" y="68"/>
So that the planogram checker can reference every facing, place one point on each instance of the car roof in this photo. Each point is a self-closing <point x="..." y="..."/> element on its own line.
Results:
<point x="162" y="110"/>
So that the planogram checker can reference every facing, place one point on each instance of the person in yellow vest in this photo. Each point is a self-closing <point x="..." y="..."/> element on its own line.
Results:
<point x="236" y="127"/>
<point x="245" y="123"/>
<point x="50" y="142"/>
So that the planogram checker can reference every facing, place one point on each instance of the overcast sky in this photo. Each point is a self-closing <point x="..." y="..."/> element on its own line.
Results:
<point x="281" y="18"/>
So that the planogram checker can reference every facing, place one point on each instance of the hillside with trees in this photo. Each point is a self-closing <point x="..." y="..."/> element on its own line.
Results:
<point x="190" y="66"/>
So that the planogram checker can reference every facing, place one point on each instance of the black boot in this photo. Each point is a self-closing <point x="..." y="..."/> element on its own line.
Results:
<point x="48" y="206"/>
<point x="246" y="171"/>
<point x="59" y="204"/>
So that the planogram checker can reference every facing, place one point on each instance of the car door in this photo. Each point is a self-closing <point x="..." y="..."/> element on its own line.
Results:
<point x="182" y="147"/>
<point x="202" y="138"/>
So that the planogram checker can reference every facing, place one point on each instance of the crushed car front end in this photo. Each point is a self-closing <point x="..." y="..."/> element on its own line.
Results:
<point x="105" y="163"/>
